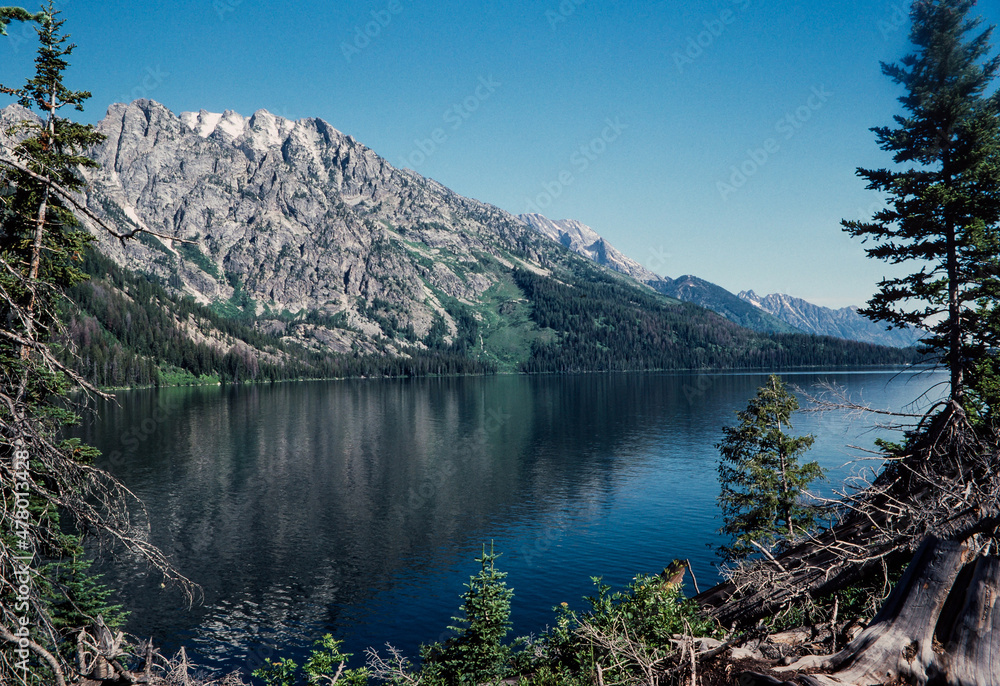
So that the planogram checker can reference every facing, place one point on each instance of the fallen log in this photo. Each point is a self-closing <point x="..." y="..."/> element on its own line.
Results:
<point x="812" y="568"/>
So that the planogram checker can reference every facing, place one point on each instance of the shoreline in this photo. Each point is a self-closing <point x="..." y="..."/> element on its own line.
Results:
<point x="713" y="372"/>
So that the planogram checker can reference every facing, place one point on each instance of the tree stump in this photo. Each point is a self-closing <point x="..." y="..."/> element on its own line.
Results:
<point x="939" y="627"/>
<point x="972" y="653"/>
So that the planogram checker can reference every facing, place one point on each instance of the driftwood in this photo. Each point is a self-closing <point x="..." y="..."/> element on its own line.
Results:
<point x="812" y="568"/>
<point x="939" y="626"/>
<point x="100" y="655"/>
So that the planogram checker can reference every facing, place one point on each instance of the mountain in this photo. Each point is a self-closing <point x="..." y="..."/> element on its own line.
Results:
<point x="771" y="314"/>
<point x="823" y="321"/>
<point x="716" y="298"/>
<point x="291" y="219"/>
<point x="583" y="240"/>
<point x="292" y="248"/>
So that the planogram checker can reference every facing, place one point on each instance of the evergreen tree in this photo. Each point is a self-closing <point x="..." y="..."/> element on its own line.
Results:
<point x="476" y="655"/>
<point x="760" y="475"/>
<point x="50" y="489"/>
<point x="943" y="213"/>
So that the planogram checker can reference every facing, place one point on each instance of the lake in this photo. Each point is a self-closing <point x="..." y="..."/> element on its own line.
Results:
<point x="358" y="507"/>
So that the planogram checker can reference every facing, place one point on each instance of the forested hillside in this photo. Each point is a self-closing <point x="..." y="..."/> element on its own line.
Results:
<point x="129" y="331"/>
<point x="601" y="324"/>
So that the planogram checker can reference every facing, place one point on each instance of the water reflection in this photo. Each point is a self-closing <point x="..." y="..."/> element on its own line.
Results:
<point x="354" y="507"/>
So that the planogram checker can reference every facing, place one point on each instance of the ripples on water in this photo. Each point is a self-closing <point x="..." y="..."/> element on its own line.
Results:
<point x="357" y="507"/>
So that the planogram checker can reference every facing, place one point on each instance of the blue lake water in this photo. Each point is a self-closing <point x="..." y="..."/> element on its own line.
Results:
<point x="358" y="507"/>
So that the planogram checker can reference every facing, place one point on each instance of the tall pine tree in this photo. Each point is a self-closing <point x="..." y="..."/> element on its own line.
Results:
<point x="50" y="489"/>
<point x="943" y="214"/>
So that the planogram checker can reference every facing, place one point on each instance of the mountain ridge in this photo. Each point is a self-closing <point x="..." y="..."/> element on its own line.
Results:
<point x="774" y="314"/>
<point x="844" y="323"/>
<point x="315" y="240"/>
<point x="584" y="240"/>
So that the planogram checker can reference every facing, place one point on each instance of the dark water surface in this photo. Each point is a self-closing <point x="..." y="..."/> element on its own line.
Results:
<point x="358" y="507"/>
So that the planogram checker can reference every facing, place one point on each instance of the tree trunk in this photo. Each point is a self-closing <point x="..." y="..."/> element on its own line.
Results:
<point x="899" y="642"/>
<point x="972" y="655"/>
<point x="938" y="627"/>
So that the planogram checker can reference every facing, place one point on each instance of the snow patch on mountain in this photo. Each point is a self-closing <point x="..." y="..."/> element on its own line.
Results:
<point x="205" y="123"/>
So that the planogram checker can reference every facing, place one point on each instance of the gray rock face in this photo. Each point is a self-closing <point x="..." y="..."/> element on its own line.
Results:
<point x="293" y="217"/>
<point x="823" y="321"/>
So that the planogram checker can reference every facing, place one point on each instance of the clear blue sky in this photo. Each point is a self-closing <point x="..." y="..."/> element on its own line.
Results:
<point x="625" y="115"/>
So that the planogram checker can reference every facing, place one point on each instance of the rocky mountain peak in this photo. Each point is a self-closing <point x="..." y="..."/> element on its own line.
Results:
<point x="582" y="239"/>
<point x="295" y="217"/>
<point x="228" y="124"/>
<point x="824" y="321"/>
<point x="14" y="113"/>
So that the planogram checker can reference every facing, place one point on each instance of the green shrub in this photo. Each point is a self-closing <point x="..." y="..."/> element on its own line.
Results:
<point x="325" y="667"/>
<point x="642" y="619"/>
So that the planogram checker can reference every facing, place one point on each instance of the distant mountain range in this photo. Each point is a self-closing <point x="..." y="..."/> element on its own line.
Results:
<point x="842" y="323"/>
<point x="307" y="250"/>
<point x="583" y="240"/>
<point x="718" y="299"/>
<point x="772" y="314"/>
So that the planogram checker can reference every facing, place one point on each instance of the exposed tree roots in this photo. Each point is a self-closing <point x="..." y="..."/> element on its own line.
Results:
<point x="939" y="625"/>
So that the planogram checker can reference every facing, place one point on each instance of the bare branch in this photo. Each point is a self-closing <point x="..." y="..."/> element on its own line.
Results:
<point x="50" y="660"/>
<point x="70" y="197"/>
